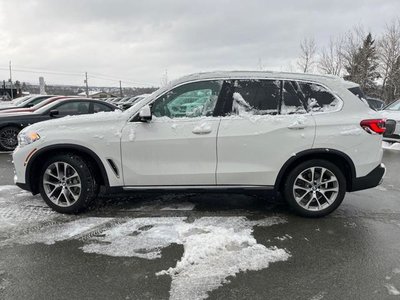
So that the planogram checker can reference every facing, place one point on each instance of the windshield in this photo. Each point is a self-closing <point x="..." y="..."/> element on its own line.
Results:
<point x="43" y="103"/>
<point x="395" y="106"/>
<point x="21" y="100"/>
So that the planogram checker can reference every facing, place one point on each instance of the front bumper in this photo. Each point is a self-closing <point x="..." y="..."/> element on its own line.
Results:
<point x="372" y="179"/>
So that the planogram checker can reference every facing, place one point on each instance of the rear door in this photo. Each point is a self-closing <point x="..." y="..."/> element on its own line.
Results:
<point x="266" y="124"/>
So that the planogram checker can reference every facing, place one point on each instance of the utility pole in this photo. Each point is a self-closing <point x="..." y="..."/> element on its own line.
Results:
<point x="12" y="92"/>
<point x="87" y="87"/>
<point x="120" y="89"/>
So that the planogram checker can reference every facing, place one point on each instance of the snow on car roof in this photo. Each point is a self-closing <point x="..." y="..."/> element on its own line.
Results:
<point x="324" y="79"/>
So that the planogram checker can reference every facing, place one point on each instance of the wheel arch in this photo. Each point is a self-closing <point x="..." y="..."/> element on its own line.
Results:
<point x="342" y="160"/>
<point x="39" y="157"/>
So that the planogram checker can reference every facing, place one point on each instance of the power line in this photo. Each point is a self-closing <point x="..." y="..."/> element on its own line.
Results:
<point x="76" y="74"/>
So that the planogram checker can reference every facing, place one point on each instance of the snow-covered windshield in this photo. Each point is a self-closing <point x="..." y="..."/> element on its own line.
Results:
<point x="395" y="106"/>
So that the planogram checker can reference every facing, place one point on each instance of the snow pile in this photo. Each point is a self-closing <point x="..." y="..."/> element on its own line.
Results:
<point x="202" y="128"/>
<point x="391" y="146"/>
<point x="392" y="290"/>
<point x="214" y="249"/>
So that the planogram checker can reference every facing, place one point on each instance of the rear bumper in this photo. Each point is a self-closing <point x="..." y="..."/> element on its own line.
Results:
<point x="372" y="179"/>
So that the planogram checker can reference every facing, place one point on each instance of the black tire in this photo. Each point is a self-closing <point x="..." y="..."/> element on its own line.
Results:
<point x="8" y="138"/>
<point x="289" y="193"/>
<point x="89" y="187"/>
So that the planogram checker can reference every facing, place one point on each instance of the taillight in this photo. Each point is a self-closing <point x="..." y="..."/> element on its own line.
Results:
<point x="374" y="126"/>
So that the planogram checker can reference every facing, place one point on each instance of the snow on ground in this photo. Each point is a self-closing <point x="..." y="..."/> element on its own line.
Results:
<point x="215" y="248"/>
<point x="391" y="146"/>
<point x="20" y="209"/>
<point x="392" y="290"/>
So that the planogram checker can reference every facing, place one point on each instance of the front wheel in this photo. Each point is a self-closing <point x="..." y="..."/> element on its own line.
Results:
<point x="67" y="183"/>
<point x="9" y="138"/>
<point x="315" y="188"/>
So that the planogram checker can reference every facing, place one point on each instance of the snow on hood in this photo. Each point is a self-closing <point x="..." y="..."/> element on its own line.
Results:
<point x="79" y="120"/>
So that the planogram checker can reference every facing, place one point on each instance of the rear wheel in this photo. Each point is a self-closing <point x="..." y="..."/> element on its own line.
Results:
<point x="9" y="138"/>
<point x="67" y="183"/>
<point x="315" y="188"/>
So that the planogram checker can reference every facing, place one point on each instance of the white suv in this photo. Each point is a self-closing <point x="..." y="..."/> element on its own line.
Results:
<point x="306" y="136"/>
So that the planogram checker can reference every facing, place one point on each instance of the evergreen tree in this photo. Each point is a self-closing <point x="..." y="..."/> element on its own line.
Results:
<point x="362" y="67"/>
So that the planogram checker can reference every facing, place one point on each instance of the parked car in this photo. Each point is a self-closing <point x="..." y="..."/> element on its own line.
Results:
<point x="306" y="136"/>
<point x="33" y="108"/>
<point x="12" y="123"/>
<point x="128" y="103"/>
<point x="375" y="103"/>
<point x="28" y="102"/>
<point x="392" y="111"/>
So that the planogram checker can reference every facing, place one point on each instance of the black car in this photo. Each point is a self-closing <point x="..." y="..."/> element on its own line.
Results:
<point x="375" y="103"/>
<point x="29" y="101"/>
<point x="11" y="124"/>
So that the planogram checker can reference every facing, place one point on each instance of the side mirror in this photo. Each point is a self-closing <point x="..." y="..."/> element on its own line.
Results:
<point x="54" y="113"/>
<point x="30" y="105"/>
<point x="145" y="114"/>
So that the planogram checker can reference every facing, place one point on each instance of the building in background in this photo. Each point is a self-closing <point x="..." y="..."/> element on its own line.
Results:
<point x="6" y="92"/>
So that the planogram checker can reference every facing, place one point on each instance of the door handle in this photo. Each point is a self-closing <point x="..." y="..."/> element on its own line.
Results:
<point x="202" y="129"/>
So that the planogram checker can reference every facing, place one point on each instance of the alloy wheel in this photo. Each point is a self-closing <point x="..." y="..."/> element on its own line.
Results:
<point x="315" y="188"/>
<point x="8" y="138"/>
<point x="62" y="184"/>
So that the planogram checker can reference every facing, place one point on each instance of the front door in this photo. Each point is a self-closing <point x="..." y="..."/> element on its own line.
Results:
<point x="178" y="146"/>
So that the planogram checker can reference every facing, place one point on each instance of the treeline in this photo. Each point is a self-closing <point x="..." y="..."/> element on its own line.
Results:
<point x="69" y="90"/>
<point x="359" y="56"/>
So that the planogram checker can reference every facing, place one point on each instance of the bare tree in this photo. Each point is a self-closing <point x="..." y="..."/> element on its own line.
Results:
<point x="307" y="58"/>
<point x="389" y="56"/>
<point x="331" y="59"/>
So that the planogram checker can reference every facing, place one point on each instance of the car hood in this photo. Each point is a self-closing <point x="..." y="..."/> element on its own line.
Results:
<point x="82" y="121"/>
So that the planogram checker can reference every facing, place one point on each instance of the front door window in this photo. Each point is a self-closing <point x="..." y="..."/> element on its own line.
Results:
<point x="192" y="100"/>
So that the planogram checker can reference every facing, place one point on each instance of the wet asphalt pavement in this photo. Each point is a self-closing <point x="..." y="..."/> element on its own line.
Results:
<point x="352" y="254"/>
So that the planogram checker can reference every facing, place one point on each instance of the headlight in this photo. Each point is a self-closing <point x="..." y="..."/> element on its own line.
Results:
<point x="27" y="138"/>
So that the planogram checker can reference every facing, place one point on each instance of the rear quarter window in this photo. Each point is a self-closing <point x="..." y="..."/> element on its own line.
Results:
<point x="318" y="98"/>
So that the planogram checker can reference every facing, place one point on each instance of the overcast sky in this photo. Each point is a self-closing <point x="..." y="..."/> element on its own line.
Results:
<point x="136" y="41"/>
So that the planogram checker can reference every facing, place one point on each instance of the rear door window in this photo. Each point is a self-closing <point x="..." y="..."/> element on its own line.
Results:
<point x="293" y="101"/>
<point x="73" y="108"/>
<point x="255" y="97"/>
<point x="98" y="107"/>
